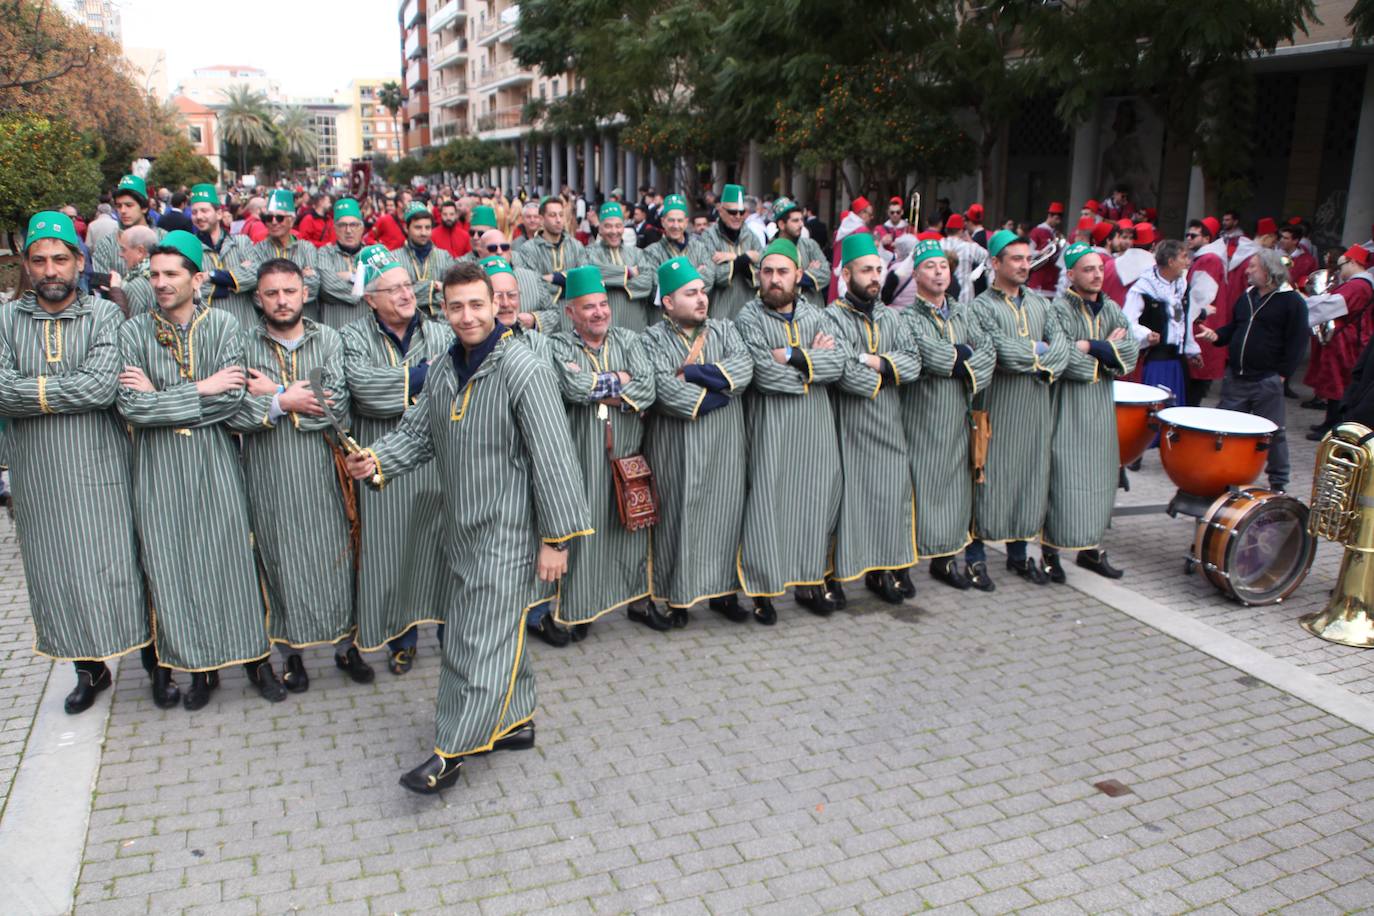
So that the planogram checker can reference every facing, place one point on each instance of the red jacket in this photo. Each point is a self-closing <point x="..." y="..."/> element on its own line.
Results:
<point x="317" y="230"/>
<point x="1302" y="267"/>
<point x="1330" y="376"/>
<point x="254" y="228"/>
<point x="388" y="231"/>
<point x="1044" y="279"/>
<point x="456" y="241"/>
<point x="1209" y="270"/>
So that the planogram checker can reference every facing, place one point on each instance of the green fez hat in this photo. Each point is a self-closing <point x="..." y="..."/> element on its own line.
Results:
<point x="783" y="206"/>
<point x="185" y="243"/>
<point x="132" y="184"/>
<point x="856" y="246"/>
<point x="1076" y="251"/>
<point x="611" y="210"/>
<point x="281" y="201"/>
<point x="205" y="194"/>
<point x="49" y="224"/>
<point x="345" y="207"/>
<point x="417" y="210"/>
<point x="496" y="265"/>
<point x="1001" y="239"/>
<point x="675" y="202"/>
<point x="375" y="260"/>
<point x="583" y="281"/>
<point x="483" y="216"/>
<point x="674" y="274"/>
<point x="926" y="250"/>
<point x="733" y="194"/>
<point x="782" y="246"/>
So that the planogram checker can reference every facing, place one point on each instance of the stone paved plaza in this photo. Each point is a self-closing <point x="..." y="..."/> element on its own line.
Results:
<point x="941" y="756"/>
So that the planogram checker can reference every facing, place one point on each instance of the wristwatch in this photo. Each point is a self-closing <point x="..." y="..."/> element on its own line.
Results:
<point x="560" y="546"/>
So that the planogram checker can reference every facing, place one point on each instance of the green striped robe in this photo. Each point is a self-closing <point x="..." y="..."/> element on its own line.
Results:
<point x="610" y="568"/>
<point x="105" y="255"/>
<point x="695" y="251"/>
<point x="542" y="258"/>
<point x="138" y="289"/>
<point x="935" y="418"/>
<point x="877" y="526"/>
<point x="540" y="300"/>
<point x="293" y="491"/>
<point x="502" y="442"/>
<point x="631" y="298"/>
<point x="189" y="501"/>
<point x="731" y="289"/>
<point x="402" y="572"/>
<point x="820" y="275"/>
<point x="233" y="250"/>
<point x="68" y="455"/>
<point x="537" y="342"/>
<point x="1083" y="450"/>
<point x="339" y="306"/>
<point x="1010" y="506"/>
<point x="428" y="276"/>
<point x="794" y="459"/>
<point x="303" y="254"/>
<point x="699" y="465"/>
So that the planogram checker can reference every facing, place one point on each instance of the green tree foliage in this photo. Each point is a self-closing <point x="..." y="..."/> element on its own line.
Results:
<point x="245" y="123"/>
<point x="43" y="165"/>
<point x="180" y="165"/>
<point x="295" y="134"/>
<point x="392" y="98"/>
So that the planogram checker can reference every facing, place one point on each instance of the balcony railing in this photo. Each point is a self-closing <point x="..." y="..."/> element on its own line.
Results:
<point x="444" y="132"/>
<point x="417" y="104"/>
<point x="503" y="119"/>
<point x="456" y="89"/>
<point x="505" y="70"/>
<point x="447" y="53"/>
<point x="490" y="27"/>
<point x="449" y="12"/>
<point x="417" y="73"/>
<point x="417" y="137"/>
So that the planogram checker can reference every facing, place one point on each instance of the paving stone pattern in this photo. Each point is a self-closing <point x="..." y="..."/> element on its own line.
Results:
<point x="23" y="674"/>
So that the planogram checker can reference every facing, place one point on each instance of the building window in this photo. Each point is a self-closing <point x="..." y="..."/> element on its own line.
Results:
<point x="194" y="134"/>
<point x="554" y="90"/>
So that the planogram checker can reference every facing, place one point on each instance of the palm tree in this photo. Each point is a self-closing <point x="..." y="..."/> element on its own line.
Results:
<point x="245" y="121"/>
<point x="392" y="98"/>
<point x="296" y="129"/>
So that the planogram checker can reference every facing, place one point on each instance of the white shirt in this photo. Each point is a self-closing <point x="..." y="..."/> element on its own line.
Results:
<point x="1172" y="294"/>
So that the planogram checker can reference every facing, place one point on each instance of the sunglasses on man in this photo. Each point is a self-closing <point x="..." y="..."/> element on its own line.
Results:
<point x="734" y="212"/>
<point x="277" y="217"/>
<point x="495" y="248"/>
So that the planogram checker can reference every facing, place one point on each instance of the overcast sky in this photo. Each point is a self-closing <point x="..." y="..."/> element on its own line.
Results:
<point x="311" y="47"/>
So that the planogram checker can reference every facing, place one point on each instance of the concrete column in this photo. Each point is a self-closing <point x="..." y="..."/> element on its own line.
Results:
<point x="631" y="175"/>
<point x="1083" y="176"/>
<point x="655" y="179"/>
<point x="1359" y="206"/>
<point x="589" y="168"/>
<point x="608" y="169"/>
<point x="754" y="170"/>
<point x="1197" y="193"/>
<point x="553" y="165"/>
<point x="718" y="176"/>
<point x="799" y="185"/>
<point x="570" y="154"/>
<point x="621" y="170"/>
<point x="851" y="171"/>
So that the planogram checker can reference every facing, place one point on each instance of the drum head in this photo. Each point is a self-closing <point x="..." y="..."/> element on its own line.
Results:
<point x="1215" y="420"/>
<point x="1269" y="551"/>
<point x="1134" y="393"/>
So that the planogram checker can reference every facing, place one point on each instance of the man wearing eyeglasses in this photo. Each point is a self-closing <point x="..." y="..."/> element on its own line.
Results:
<point x="553" y="251"/>
<point x="736" y="251"/>
<point x="341" y="299"/>
<point x="423" y="260"/>
<point x="280" y="243"/>
<point x="538" y="309"/>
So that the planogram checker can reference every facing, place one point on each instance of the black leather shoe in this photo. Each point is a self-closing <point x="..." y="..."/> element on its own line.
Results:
<point x="884" y="585"/>
<point x="203" y="683"/>
<point x="89" y="684"/>
<point x="979" y="578"/>
<point x="352" y="664"/>
<point x="1029" y="570"/>
<point x="679" y="616"/>
<point x="946" y="570"/>
<point x="1316" y="435"/>
<point x="434" y="775"/>
<point x="294" y="678"/>
<point x="1290" y="393"/>
<point x="400" y="661"/>
<point x="647" y="613"/>
<point x="905" y="587"/>
<point x="1315" y="403"/>
<point x="764" y="612"/>
<point x="815" y="600"/>
<point x="553" y="632"/>
<point x="1096" y="560"/>
<point x="835" y="592"/>
<point x="165" y="692"/>
<point x="522" y="739"/>
<point x="580" y="631"/>
<point x="265" y="679"/>
<point x="728" y="606"/>
<point x="1134" y="465"/>
<point x="1052" y="567"/>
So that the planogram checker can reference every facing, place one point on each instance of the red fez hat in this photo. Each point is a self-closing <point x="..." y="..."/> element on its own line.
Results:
<point x="975" y="211"/>
<point x="1091" y="205"/>
<point x="1144" y="235"/>
<point x="1266" y="226"/>
<point x="1125" y="224"/>
<point x="895" y="200"/>
<point x="1102" y="230"/>
<point x="859" y="204"/>
<point x="1086" y="223"/>
<point x="1295" y="220"/>
<point x="955" y="221"/>
<point x="1357" y="253"/>
<point x="929" y="236"/>
<point x="1151" y="214"/>
<point x="1056" y="207"/>
<point x="1212" y="224"/>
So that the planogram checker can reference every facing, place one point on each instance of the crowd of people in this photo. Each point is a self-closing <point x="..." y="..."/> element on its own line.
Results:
<point x="288" y="423"/>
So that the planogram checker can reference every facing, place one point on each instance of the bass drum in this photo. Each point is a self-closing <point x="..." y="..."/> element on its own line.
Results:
<point x="1253" y="545"/>
<point x="1135" y="410"/>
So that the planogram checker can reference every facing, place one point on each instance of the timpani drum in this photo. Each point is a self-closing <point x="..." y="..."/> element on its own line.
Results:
<point x="1135" y="409"/>
<point x="1253" y="545"/>
<point x="1205" y="450"/>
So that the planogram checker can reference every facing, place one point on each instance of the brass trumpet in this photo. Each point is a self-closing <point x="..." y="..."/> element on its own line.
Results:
<point x="1318" y="282"/>
<point x="1343" y="511"/>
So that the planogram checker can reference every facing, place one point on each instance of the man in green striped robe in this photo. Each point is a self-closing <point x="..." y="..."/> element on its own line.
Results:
<point x="1084" y="456"/>
<point x="735" y="252"/>
<point x="68" y="456"/>
<point x="539" y="309"/>
<point x="130" y="201"/>
<point x="876" y="535"/>
<point x="280" y="243"/>
<point x="793" y="502"/>
<point x="957" y="361"/>
<point x="625" y="272"/>
<point x="183" y="379"/>
<point x="403" y="575"/>
<point x="1032" y="351"/>
<point x="221" y="252"/>
<point x="341" y="298"/>
<point x="135" y="245"/>
<point x="490" y="418"/>
<point x="553" y="252"/>
<point x="300" y="523"/>
<point x="695" y="443"/>
<point x="815" y="275"/>
<point x="606" y="384"/>
<point x="678" y="241"/>
<point x="425" y="263"/>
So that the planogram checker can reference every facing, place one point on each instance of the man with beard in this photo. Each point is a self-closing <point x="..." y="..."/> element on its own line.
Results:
<point x="1083" y="448"/>
<point x="792" y="447"/>
<point x="734" y="256"/>
<point x="957" y="361"/>
<point x="317" y="225"/>
<point x="695" y="443"/>
<point x="490" y="414"/>
<point x="552" y="252"/>
<point x="220" y="248"/>
<point x="341" y="293"/>
<point x="539" y="310"/>
<point x="131" y="207"/>
<point x="280" y="243"/>
<point x="300" y="519"/>
<point x="450" y="233"/>
<point x="402" y="570"/>
<point x="424" y="263"/>
<point x="183" y="378"/>
<point x="876" y="534"/>
<point x="815" y="276"/>
<point x="1032" y="351"/>
<point x="68" y="457"/>
<point x="625" y="272"/>
<point x="607" y="385"/>
<point x="389" y="230"/>
<point x="678" y="241"/>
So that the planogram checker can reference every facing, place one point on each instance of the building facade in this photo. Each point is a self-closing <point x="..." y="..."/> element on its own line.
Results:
<point x="415" y="74"/>
<point x="201" y="126"/>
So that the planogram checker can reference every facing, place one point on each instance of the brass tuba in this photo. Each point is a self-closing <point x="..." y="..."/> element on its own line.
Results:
<point x="1343" y="511"/>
